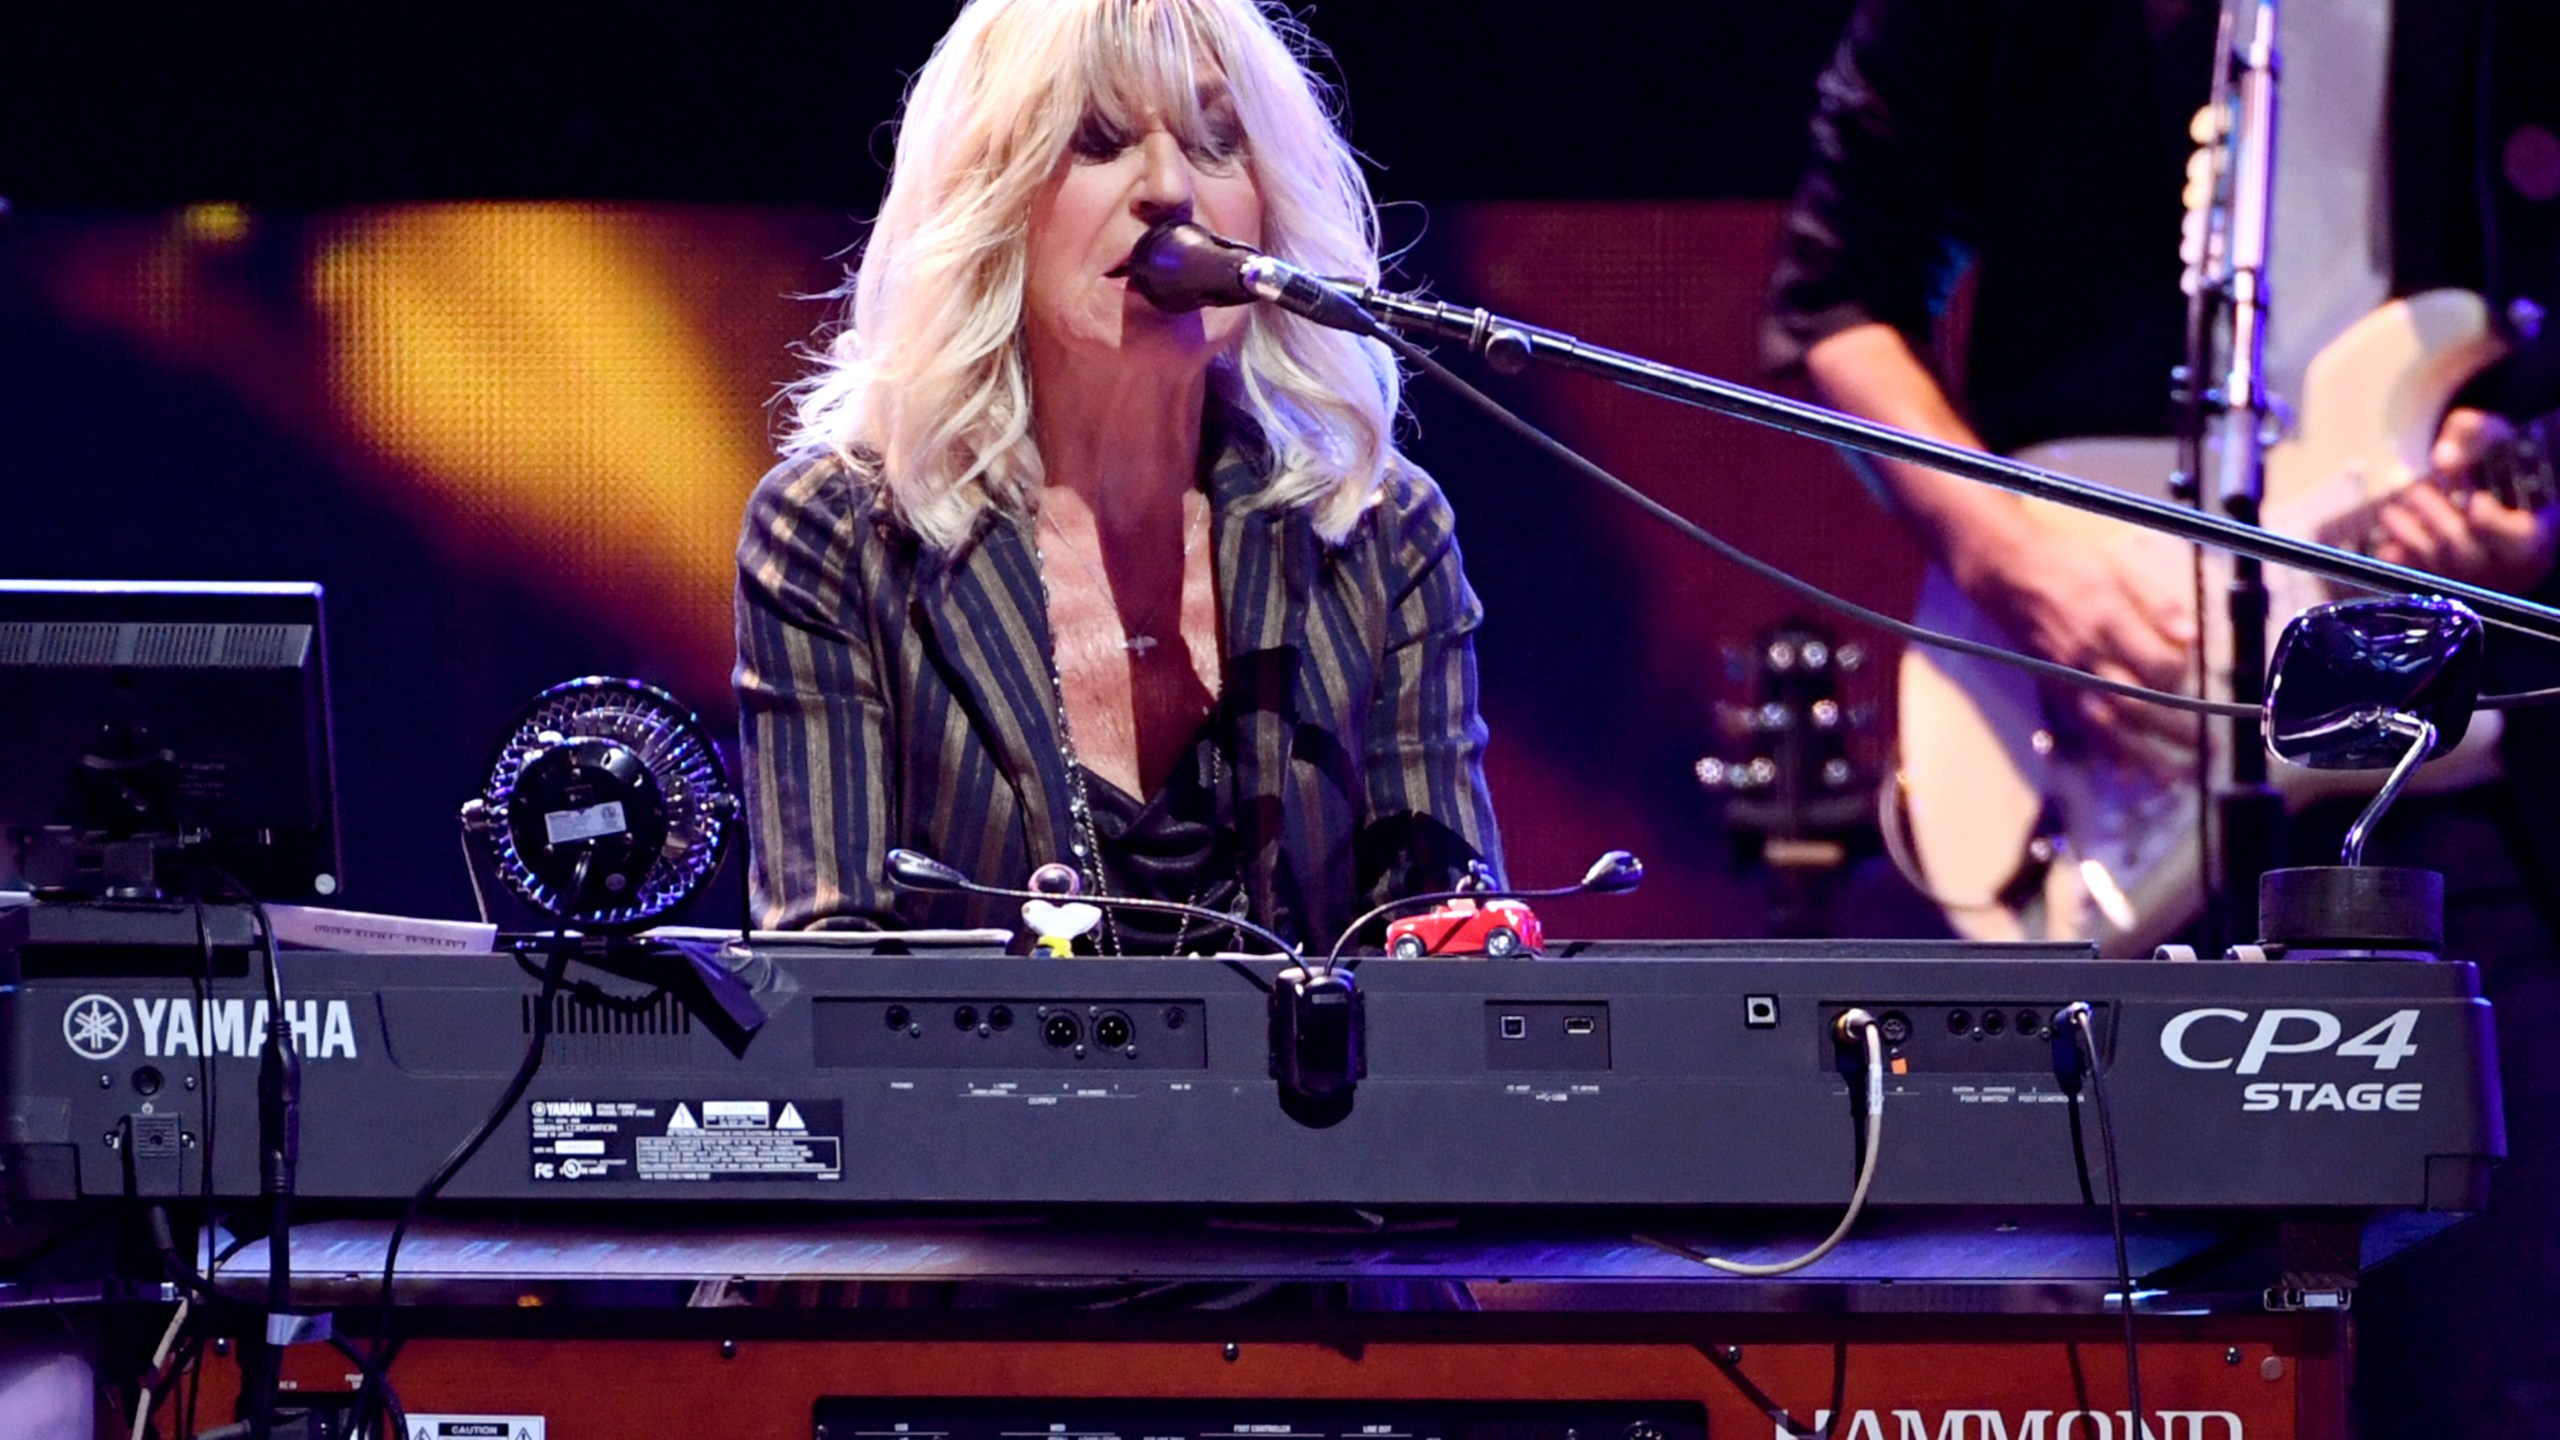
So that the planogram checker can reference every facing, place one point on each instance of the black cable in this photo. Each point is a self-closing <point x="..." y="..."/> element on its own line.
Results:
<point x="179" y="1404"/>
<point x="2190" y="393"/>
<point x="1803" y="589"/>
<point x="1727" y="1359"/>
<point x="376" y="1380"/>
<point x="205" y="1069"/>
<point x="2518" y="700"/>
<point x="393" y="1411"/>
<point x="1806" y="590"/>
<point x="1839" y="1388"/>
<point x="279" y="1155"/>
<point x="189" y="1361"/>
<point x="2077" y="1016"/>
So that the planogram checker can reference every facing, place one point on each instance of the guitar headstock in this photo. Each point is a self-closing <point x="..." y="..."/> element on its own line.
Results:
<point x="1796" y="780"/>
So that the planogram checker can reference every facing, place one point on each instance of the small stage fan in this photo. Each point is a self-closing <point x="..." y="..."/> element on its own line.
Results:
<point x="607" y="807"/>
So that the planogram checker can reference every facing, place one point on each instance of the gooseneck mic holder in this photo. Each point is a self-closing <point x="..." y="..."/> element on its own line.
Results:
<point x="914" y="870"/>
<point x="1614" y="873"/>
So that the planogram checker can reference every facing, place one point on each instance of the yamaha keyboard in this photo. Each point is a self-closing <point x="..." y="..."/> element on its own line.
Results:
<point x="1630" y="1075"/>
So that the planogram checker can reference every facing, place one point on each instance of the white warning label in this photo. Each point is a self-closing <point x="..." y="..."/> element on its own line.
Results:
<point x="475" y="1427"/>
<point x="687" y="1139"/>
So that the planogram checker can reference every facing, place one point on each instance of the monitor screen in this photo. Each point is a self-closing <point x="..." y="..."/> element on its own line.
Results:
<point x="179" y="727"/>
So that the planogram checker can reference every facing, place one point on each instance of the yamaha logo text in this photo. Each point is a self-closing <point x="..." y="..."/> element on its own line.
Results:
<point x="2245" y="1044"/>
<point x="100" y="1027"/>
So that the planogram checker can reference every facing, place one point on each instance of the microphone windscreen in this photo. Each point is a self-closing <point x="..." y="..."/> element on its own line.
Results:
<point x="1178" y="267"/>
<point x="922" y="872"/>
<point x="1614" y="874"/>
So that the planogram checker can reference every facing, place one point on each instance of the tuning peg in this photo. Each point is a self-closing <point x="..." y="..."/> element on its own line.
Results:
<point x="1737" y="777"/>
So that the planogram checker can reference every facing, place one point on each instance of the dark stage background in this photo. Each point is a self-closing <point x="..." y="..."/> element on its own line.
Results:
<point x="476" y="321"/>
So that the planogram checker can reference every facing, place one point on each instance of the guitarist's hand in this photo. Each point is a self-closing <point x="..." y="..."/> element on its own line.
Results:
<point x="2452" y="529"/>
<point x="2063" y="598"/>
<point x="2089" y="607"/>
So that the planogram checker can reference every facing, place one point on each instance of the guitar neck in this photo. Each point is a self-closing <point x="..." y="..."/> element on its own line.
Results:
<point x="2519" y="470"/>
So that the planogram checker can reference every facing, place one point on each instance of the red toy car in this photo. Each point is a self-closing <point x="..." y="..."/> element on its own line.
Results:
<point x="1467" y="927"/>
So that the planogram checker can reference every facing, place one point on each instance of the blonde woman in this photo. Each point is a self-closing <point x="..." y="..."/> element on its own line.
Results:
<point x="1048" y="575"/>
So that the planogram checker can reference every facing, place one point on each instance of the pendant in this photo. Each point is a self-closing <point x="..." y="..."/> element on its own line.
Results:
<point x="1139" y="645"/>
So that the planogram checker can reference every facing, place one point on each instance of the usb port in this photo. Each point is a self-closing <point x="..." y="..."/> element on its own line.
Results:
<point x="1580" y="1024"/>
<point x="1515" y="1027"/>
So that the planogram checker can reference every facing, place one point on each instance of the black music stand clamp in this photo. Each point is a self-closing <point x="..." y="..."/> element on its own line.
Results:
<point x="2367" y="685"/>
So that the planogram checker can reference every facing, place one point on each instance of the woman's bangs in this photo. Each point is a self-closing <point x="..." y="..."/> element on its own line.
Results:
<point x="1151" y="57"/>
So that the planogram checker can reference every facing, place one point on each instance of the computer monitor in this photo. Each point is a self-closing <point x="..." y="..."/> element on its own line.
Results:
<point x="166" y="739"/>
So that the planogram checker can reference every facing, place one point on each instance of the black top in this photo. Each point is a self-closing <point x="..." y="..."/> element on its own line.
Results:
<point x="2046" y="145"/>
<point x="1179" y="846"/>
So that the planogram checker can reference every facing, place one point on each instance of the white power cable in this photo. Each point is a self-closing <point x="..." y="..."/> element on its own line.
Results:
<point x="1864" y="1025"/>
<point x="159" y="1360"/>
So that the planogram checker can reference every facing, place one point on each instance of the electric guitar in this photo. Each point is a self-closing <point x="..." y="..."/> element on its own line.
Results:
<point x="1800" y="803"/>
<point x="2022" y="826"/>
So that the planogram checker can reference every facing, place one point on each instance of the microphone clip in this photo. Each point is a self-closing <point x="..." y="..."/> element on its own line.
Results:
<point x="1319" y="1053"/>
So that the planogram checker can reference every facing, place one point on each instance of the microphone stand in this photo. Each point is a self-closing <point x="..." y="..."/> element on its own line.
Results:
<point x="1511" y="346"/>
<point x="2247" y="813"/>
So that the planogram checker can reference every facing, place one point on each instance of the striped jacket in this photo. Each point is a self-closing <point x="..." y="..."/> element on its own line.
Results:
<point x="893" y="696"/>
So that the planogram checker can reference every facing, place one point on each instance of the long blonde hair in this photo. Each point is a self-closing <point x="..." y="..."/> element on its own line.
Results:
<point x="924" y="387"/>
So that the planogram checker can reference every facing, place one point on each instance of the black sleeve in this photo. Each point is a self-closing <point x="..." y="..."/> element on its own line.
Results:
<point x="1875" y="230"/>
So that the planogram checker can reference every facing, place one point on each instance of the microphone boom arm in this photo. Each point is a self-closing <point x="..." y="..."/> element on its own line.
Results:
<point x="1510" y="346"/>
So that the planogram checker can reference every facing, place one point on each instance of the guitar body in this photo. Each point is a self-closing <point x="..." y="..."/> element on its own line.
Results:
<point x="2024" y="828"/>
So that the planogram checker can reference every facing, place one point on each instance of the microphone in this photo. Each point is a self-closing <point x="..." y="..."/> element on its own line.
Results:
<point x="1180" y="267"/>
<point x="916" y="871"/>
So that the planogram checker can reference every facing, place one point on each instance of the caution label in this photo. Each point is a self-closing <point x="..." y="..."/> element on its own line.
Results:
<point x="686" y="1139"/>
<point x="475" y="1427"/>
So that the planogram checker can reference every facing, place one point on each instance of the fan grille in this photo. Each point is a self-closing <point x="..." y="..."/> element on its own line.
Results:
<point x="680" y="759"/>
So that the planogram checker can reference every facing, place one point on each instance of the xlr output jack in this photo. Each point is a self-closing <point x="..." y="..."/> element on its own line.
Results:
<point x="1112" y="1030"/>
<point x="1061" y="1029"/>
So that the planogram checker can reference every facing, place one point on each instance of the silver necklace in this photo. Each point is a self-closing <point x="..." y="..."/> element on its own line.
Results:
<point x="1084" y="841"/>
<point x="1137" y="642"/>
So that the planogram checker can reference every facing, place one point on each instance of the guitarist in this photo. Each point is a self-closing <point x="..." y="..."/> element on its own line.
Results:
<point x="2042" y="147"/>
